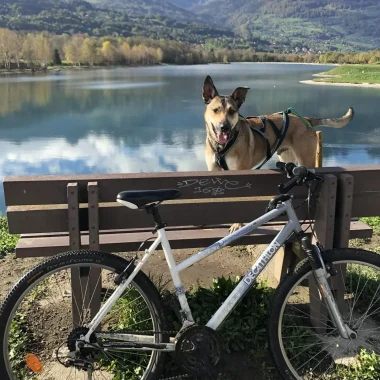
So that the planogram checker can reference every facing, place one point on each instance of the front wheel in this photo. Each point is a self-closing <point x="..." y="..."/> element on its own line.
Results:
<point x="47" y="310"/>
<point x="303" y="340"/>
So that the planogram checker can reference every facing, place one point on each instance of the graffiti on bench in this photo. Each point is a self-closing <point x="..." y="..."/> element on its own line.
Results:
<point x="212" y="186"/>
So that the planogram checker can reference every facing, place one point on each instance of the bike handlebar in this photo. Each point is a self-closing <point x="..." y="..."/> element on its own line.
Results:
<point x="298" y="175"/>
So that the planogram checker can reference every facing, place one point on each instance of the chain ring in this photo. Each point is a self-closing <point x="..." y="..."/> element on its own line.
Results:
<point x="199" y="351"/>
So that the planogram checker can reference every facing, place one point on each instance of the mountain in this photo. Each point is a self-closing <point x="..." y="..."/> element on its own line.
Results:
<point x="335" y="24"/>
<point x="148" y="7"/>
<point x="78" y="16"/>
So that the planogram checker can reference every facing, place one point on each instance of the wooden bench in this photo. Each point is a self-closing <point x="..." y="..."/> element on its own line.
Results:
<point x="54" y="214"/>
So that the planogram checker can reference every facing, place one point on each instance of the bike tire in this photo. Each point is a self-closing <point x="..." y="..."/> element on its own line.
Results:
<point x="70" y="260"/>
<point x="283" y="293"/>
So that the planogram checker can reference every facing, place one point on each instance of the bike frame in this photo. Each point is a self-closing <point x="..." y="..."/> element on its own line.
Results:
<point x="292" y="226"/>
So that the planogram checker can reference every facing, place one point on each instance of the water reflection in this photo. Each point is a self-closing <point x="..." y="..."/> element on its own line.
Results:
<point x="151" y="119"/>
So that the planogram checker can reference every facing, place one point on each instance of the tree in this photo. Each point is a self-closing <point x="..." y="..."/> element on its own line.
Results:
<point x="89" y="52"/>
<point x="28" y="50"/>
<point x="5" y="47"/>
<point x="43" y="49"/>
<point x="125" y="51"/>
<point x="73" y="49"/>
<point x="109" y="52"/>
<point x="56" y="58"/>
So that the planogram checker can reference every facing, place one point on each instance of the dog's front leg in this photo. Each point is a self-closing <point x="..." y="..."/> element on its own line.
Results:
<point x="212" y="166"/>
<point x="235" y="227"/>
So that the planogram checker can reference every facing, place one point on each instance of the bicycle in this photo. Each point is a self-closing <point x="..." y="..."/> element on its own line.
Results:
<point x="128" y="336"/>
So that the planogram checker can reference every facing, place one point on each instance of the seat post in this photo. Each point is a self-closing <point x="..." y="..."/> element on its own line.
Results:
<point x="153" y="210"/>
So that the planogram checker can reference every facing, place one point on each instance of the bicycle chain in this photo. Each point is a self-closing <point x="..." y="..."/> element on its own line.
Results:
<point x="178" y="377"/>
<point x="149" y="332"/>
<point x="146" y="332"/>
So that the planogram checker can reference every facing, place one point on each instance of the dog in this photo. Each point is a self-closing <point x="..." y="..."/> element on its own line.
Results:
<point x="249" y="146"/>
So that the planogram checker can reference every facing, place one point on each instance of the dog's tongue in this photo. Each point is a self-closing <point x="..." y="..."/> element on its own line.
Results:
<point x="222" y="137"/>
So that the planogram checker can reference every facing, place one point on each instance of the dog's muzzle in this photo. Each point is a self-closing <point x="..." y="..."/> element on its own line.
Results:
<point x="224" y="134"/>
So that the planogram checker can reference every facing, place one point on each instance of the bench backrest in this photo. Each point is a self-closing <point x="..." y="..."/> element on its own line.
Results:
<point x="45" y="204"/>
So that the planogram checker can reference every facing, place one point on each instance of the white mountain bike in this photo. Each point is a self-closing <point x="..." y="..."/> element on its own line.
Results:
<point x="128" y="336"/>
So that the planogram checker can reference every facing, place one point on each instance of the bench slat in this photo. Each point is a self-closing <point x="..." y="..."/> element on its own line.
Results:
<point x="120" y="241"/>
<point x="34" y="190"/>
<point x="48" y="219"/>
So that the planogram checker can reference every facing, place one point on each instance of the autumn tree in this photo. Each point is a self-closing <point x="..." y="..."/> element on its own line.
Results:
<point x="43" y="49"/>
<point x="109" y="52"/>
<point x="89" y="53"/>
<point x="73" y="49"/>
<point x="126" y="52"/>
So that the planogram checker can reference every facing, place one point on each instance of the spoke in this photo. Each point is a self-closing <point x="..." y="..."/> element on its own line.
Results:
<point x="354" y="302"/>
<point x="95" y="287"/>
<point x="301" y="311"/>
<point x="366" y="313"/>
<point x="319" y="353"/>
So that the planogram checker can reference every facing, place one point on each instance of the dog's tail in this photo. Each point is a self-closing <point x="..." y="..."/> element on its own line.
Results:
<point x="338" y="122"/>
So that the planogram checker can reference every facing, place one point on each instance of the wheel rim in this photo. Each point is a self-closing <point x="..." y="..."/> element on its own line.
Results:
<point x="130" y="312"/>
<point x="311" y="348"/>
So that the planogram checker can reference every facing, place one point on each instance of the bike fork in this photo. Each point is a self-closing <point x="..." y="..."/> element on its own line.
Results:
<point x="321" y="276"/>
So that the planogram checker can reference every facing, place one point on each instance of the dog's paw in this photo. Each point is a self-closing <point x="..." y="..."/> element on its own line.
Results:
<point x="235" y="227"/>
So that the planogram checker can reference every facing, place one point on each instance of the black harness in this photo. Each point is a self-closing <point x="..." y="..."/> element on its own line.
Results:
<point x="220" y="154"/>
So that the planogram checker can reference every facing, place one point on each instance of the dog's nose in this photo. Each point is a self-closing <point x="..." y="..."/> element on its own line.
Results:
<point x="224" y="127"/>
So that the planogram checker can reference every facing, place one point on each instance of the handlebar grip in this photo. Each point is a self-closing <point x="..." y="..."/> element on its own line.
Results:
<point x="280" y="165"/>
<point x="300" y="171"/>
<point x="284" y="188"/>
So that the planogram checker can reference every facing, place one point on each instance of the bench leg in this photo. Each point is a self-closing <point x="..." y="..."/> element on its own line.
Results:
<point x="86" y="298"/>
<point x="281" y="263"/>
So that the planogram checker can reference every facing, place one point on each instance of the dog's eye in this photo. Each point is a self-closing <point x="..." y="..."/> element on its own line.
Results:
<point x="231" y="111"/>
<point x="216" y="110"/>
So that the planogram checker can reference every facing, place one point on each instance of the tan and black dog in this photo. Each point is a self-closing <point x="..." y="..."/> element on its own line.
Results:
<point x="249" y="147"/>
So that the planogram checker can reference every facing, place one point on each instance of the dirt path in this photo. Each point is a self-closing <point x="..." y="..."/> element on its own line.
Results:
<point x="228" y="262"/>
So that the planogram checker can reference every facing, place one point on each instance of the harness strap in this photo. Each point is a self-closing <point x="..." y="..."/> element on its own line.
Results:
<point x="280" y="136"/>
<point x="220" y="153"/>
<point x="261" y="132"/>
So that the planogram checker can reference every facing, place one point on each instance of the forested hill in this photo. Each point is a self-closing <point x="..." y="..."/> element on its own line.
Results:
<point x="270" y="25"/>
<point x="318" y="23"/>
<point x="77" y="16"/>
<point x="148" y="7"/>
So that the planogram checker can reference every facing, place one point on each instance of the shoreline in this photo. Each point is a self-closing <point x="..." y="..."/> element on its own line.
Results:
<point x="57" y="69"/>
<point x="366" y="85"/>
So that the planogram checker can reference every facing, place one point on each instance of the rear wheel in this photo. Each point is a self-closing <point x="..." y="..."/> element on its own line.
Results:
<point x="37" y="329"/>
<point x="303" y="340"/>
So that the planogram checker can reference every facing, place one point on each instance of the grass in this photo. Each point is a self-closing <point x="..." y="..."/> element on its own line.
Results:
<point x="374" y="222"/>
<point x="244" y="330"/>
<point x="353" y="74"/>
<point x="7" y="241"/>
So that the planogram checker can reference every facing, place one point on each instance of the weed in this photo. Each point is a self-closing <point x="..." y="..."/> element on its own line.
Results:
<point x="374" y="222"/>
<point x="7" y="241"/>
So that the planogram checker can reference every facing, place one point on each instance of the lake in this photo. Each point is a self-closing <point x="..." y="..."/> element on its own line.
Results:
<point x="148" y="119"/>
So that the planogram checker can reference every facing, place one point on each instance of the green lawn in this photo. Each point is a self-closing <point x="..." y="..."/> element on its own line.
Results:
<point x="353" y="74"/>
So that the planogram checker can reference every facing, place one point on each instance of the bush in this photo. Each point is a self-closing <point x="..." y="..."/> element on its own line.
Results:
<point x="246" y="325"/>
<point x="7" y="241"/>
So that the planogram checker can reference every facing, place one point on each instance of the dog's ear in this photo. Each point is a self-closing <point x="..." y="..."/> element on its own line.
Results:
<point x="239" y="95"/>
<point x="208" y="91"/>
